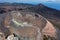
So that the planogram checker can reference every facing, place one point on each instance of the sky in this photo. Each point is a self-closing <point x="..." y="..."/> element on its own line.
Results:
<point x="31" y="1"/>
<point x="50" y="3"/>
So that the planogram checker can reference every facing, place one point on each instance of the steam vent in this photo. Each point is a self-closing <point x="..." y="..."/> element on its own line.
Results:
<point x="23" y="25"/>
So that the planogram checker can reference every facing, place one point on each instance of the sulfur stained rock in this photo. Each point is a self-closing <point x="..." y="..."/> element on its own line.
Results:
<point x="29" y="26"/>
<point x="18" y="18"/>
<point x="25" y="25"/>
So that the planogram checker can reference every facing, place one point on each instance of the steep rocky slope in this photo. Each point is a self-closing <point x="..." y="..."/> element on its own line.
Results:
<point x="51" y="14"/>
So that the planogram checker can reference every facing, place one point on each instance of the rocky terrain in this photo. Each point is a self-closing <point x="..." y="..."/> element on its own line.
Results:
<point x="29" y="22"/>
<point x="51" y="14"/>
